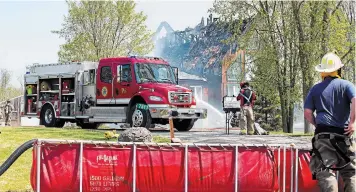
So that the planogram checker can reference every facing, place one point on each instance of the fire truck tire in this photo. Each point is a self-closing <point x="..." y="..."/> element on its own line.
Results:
<point x="47" y="116"/>
<point x="183" y="124"/>
<point x="140" y="118"/>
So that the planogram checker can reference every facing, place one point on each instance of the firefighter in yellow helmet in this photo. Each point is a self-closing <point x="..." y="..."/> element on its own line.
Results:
<point x="333" y="100"/>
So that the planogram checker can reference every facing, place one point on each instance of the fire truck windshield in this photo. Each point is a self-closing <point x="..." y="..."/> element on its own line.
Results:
<point x="150" y="72"/>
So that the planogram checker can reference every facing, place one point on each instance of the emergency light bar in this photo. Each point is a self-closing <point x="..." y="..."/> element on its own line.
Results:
<point x="146" y="57"/>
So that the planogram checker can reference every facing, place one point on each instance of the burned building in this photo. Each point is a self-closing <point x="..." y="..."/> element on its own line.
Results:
<point x="197" y="84"/>
<point x="201" y="51"/>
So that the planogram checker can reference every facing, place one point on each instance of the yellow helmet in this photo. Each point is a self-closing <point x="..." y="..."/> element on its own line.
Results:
<point x="329" y="63"/>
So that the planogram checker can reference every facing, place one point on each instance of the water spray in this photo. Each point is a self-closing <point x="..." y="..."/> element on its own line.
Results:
<point x="215" y="117"/>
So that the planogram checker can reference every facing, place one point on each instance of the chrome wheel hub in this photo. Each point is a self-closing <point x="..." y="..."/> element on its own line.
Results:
<point x="48" y="116"/>
<point x="137" y="118"/>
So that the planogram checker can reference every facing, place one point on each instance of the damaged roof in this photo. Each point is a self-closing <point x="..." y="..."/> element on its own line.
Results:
<point x="199" y="51"/>
<point x="186" y="76"/>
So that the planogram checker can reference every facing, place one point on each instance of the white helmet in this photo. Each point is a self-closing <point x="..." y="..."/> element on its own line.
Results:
<point x="329" y="63"/>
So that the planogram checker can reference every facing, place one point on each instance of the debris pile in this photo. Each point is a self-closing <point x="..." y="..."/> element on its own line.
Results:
<point x="136" y="134"/>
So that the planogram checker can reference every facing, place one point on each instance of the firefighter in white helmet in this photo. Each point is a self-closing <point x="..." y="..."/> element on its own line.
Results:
<point x="333" y="100"/>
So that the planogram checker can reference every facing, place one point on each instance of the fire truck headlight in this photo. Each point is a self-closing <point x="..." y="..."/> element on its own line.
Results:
<point x="155" y="98"/>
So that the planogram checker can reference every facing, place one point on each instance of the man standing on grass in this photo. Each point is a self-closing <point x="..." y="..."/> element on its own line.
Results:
<point x="8" y="108"/>
<point x="334" y="101"/>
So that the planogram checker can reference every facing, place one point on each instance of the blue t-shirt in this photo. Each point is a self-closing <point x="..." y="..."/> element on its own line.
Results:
<point x="331" y="100"/>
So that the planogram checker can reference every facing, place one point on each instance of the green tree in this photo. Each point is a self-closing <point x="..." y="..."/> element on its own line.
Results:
<point x="270" y="41"/>
<point x="98" y="29"/>
<point x="349" y="11"/>
<point x="321" y="27"/>
<point x="6" y="90"/>
<point x="286" y="40"/>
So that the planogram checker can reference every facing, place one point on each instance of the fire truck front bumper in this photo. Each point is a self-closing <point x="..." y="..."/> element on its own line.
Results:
<point x="163" y="112"/>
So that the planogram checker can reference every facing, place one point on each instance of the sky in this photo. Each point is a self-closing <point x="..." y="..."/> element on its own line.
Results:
<point x="26" y="38"/>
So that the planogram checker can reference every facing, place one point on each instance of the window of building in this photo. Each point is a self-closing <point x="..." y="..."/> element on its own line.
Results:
<point x="233" y="89"/>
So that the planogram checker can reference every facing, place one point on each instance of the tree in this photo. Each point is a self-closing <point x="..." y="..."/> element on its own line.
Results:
<point x="5" y="77"/>
<point x="271" y="44"/>
<point x="286" y="45"/>
<point x="321" y="27"/>
<point x="97" y="29"/>
<point x="349" y="9"/>
<point x="6" y="91"/>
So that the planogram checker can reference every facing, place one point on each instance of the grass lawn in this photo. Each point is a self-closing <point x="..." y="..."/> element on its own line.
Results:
<point x="17" y="177"/>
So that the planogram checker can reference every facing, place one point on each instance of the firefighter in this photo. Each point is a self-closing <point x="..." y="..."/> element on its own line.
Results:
<point x="333" y="144"/>
<point x="8" y="108"/>
<point x="247" y="98"/>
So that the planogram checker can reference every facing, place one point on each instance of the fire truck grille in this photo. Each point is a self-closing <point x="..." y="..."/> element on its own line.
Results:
<point x="180" y="98"/>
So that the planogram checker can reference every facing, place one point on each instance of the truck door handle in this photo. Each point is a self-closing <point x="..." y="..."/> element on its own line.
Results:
<point x="117" y="91"/>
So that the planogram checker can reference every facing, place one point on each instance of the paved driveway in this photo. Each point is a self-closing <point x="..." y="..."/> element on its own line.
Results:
<point x="218" y="135"/>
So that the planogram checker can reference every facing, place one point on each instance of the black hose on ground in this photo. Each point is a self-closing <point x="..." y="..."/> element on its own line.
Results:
<point x="16" y="154"/>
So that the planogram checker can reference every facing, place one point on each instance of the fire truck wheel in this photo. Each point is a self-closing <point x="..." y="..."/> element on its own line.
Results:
<point x="184" y="124"/>
<point x="47" y="116"/>
<point x="140" y="117"/>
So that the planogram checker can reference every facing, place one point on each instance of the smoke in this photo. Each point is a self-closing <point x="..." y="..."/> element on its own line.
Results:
<point x="177" y="55"/>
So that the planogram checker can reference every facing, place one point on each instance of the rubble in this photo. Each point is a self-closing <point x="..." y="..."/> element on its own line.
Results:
<point x="136" y="134"/>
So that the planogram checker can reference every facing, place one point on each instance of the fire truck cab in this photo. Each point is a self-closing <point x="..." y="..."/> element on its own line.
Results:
<point x="140" y="91"/>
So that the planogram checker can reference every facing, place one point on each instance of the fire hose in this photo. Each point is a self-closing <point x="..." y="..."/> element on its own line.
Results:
<point x="16" y="154"/>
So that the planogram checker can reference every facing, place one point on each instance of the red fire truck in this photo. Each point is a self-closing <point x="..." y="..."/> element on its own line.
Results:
<point x="140" y="91"/>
